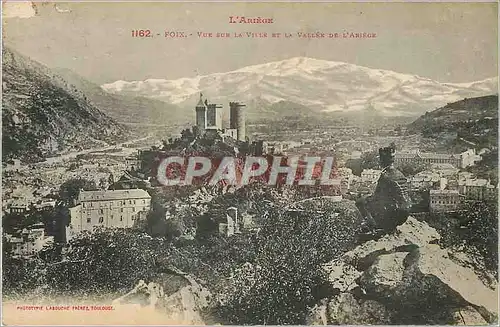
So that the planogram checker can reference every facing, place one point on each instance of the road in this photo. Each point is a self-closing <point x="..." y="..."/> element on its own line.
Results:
<point x="70" y="155"/>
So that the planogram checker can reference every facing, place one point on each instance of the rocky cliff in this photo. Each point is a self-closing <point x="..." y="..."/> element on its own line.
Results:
<point x="406" y="278"/>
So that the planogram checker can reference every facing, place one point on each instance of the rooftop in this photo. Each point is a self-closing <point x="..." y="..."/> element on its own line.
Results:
<point x="371" y="171"/>
<point x="113" y="195"/>
<point x="475" y="182"/>
<point x="426" y="155"/>
<point x="443" y="192"/>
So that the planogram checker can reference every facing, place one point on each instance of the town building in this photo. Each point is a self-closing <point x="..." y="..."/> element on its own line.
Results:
<point x="443" y="200"/>
<point x="462" y="160"/>
<point x="133" y="163"/>
<point x="229" y="132"/>
<point x="424" y="179"/>
<point x="273" y="147"/>
<point x="346" y="178"/>
<point x="370" y="175"/>
<point x="109" y="208"/>
<point x="19" y="206"/>
<point x="30" y="242"/>
<point x="45" y="205"/>
<point x="477" y="189"/>
<point x="355" y="155"/>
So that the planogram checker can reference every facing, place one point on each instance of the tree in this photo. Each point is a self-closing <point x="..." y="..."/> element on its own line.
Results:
<point x="288" y="280"/>
<point x="12" y="222"/>
<point x="413" y="168"/>
<point x="480" y="230"/>
<point x="21" y="276"/>
<point x="187" y="135"/>
<point x="196" y="131"/>
<point x="355" y="166"/>
<point x="107" y="260"/>
<point x="369" y="160"/>
<point x="69" y="190"/>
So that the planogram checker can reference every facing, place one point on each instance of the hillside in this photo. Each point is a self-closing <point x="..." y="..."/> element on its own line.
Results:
<point x="42" y="115"/>
<point x="473" y="121"/>
<point x="125" y="108"/>
<point x="323" y="86"/>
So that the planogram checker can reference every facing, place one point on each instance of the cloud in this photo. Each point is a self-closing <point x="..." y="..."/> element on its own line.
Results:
<point x="22" y="9"/>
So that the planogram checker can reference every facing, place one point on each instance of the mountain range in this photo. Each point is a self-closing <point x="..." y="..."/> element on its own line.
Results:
<point x="125" y="109"/>
<point x="318" y="86"/>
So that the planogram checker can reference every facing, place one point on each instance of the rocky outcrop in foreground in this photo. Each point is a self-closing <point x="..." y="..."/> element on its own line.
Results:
<point x="181" y="307"/>
<point x="400" y="278"/>
<point x="406" y="278"/>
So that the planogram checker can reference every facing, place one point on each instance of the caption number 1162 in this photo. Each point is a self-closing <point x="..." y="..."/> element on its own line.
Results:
<point x="141" y="33"/>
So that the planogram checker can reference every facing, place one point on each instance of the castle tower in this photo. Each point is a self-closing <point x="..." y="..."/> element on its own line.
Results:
<point x="214" y="116"/>
<point x="201" y="114"/>
<point x="237" y="119"/>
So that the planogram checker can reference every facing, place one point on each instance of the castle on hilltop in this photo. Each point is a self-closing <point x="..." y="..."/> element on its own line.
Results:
<point x="209" y="118"/>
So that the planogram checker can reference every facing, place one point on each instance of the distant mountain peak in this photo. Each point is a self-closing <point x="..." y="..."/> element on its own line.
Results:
<point x="322" y="85"/>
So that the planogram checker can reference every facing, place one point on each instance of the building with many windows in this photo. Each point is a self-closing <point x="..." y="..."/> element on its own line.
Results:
<point x="477" y="189"/>
<point x="370" y="175"/>
<point x="462" y="160"/>
<point x="109" y="208"/>
<point x="443" y="200"/>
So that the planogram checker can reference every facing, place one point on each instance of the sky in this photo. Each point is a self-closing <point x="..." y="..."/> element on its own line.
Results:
<point x="447" y="42"/>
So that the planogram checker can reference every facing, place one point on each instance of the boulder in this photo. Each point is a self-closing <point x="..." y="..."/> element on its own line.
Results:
<point x="412" y="232"/>
<point x="185" y="306"/>
<point x="182" y="307"/>
<point x="405" y="278"/>
<point x="463" y="280"/>
<point x="342" y="276"/>
<point x="469" y="316"/>
<point x="347" y="310"/>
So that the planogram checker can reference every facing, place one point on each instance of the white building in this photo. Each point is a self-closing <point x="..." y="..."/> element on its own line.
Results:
<point x="355" y="155"/>
<point x="229" y="132"/>
<point x="370" y="175"/>
<point x="443" y="200"/>
<point x="462" y="160"/>
<point x="424" y="179"/>
<point x="132" y="163"/>
<point x="274" y="147"/>
<point x="30" y="243"/>
<point x="109" y="208"/>
<point x="477" y="189"/>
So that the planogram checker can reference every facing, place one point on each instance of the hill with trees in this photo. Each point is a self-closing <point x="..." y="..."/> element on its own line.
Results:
<point x="41" y="115"/>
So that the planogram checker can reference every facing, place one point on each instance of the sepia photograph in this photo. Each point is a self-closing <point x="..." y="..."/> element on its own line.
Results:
<point x="246" y="163"/>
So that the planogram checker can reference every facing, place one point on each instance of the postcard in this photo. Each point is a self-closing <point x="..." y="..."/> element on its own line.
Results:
<point x="246" y="163"/>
